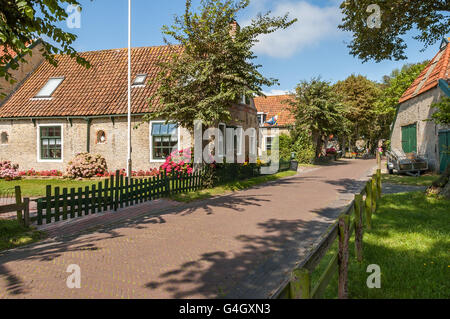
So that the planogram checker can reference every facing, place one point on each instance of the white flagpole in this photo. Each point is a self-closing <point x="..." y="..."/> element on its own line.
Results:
<point x="129" y="163"/>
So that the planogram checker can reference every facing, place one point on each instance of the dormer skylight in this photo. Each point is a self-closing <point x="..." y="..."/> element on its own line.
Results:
<point x="49" y="88"/>
<point x="140" y="80"/>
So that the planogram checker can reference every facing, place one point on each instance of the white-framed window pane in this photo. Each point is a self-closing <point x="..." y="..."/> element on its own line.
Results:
<point x="140" y="79"/>
<point x="164" y="140"/>
<point x="51" y="143"/>
<point x="49" y="87"/>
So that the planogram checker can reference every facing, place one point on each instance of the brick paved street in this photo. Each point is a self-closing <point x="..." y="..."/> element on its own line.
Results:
<point x="239" y="245"/>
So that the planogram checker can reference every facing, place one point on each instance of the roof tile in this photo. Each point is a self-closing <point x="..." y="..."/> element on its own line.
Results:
<point x="273" y="105"/>
<point x="100" y="90"/>
<point x="437" y="69"/>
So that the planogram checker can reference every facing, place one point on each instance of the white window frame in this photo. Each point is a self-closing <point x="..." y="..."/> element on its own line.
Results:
<point x="151" y="140"/>
<point x="265" y="141"/>
<point x="38" y="141"/>
<point x="259" y="122"/>
<point x="139" y="85"/>
<point x="49" y="97"/>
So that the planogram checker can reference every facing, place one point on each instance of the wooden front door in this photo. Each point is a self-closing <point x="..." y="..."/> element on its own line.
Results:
<point x="444" y="150"/>
<point x="409" y="138"/>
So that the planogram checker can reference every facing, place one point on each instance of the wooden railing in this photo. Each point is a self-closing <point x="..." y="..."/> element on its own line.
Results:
<point x="352" y="221"/>
<point x="22" y="208"/>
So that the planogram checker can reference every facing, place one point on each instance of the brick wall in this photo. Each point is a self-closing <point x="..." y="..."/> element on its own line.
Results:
<point x="22" y="72"/>
<point x="22" y="146"/>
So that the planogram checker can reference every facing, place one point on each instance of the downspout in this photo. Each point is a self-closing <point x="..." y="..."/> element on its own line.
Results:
<point x="88" y="134"/>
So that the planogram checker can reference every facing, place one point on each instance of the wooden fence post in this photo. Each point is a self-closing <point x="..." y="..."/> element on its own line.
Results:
<point x="116" y="191"/>
<point x="369" y="204"/>
<point x="379" y="186"/>
<point x="358" y="227"/>
<point x="19" y="201"/>
<point x="26" y="212"/>
<point x="48" y="208"/>
<point x="300" y="284"/>
<point x="374" y="195"/>
<point x="344" y="231"/>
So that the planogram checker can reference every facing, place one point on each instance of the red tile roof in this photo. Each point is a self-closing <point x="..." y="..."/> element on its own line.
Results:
<point x="438" y="68"/>
<point x="100" y="90"/>
<point x="272" y="106"/>
<point x="5" y="50"/>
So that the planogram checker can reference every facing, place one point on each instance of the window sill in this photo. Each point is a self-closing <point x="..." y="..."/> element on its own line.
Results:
<point x="50" y="161"/>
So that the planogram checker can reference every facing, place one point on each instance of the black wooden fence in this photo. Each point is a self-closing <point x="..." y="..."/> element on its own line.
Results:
<point x="111" y="194"/>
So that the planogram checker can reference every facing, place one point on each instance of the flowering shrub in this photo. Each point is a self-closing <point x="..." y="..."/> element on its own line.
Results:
<point x="9" y="171"/>
<point x="149" y="173"/>
<point x="178" y="162"/>
<point x="86" y="165"/>
<point x="34" y="173"/>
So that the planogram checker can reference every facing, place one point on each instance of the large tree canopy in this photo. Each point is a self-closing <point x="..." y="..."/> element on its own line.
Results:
<point x="393" y="88"/>
<point x="22" y="21"/>
<point x="359" y="95"/>
<point x="213" y="68"/>
<point x="442" y="115"/>
<point x="430" y="18"/>
<point x="318" y="108"/>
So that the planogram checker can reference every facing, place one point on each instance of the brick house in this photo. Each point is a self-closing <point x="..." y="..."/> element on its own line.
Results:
<point x="269" y="108"/>
<point x="412" y="131"/>
<point x="59" y="112"/>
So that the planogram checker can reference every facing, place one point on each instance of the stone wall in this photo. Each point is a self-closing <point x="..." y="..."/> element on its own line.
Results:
<point x="417" y="111"/>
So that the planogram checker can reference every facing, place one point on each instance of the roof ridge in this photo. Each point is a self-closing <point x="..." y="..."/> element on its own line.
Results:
<point x="133" y="48"/>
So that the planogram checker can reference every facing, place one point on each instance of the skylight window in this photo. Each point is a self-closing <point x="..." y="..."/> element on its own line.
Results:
<point x="140" y="79"/>
<point x="49" y="88"/>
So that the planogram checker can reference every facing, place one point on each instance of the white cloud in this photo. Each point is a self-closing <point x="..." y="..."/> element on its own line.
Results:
<point x="277" y="92"/>
<point x="315" y="24"/>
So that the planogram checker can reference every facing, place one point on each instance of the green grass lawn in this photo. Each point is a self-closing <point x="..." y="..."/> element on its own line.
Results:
<point x="13" y="235"/>
<point x="410" y="241"/>
<point x="36" y="187"/>
<point x="230" y="187"/>
<point x="426" y="180"/>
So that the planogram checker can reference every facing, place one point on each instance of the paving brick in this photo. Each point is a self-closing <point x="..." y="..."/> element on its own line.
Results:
<point x="239" y="245"/>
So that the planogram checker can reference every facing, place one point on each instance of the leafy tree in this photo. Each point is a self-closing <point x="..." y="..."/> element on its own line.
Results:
<point x="442" y="116"/>
<point x="318" y="108"/>
<point x="22" y="21"/>
<point x="394" y="87"/>
<point x="211" y="66"/>
<point x="359" y="95"/>
<point x="429" y="17"/>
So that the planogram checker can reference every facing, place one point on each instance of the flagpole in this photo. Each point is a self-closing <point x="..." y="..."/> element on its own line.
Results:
<point x="129" y="162"/>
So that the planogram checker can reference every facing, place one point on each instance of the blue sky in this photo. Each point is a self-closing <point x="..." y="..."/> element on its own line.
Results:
<point x="312" y="47"/>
